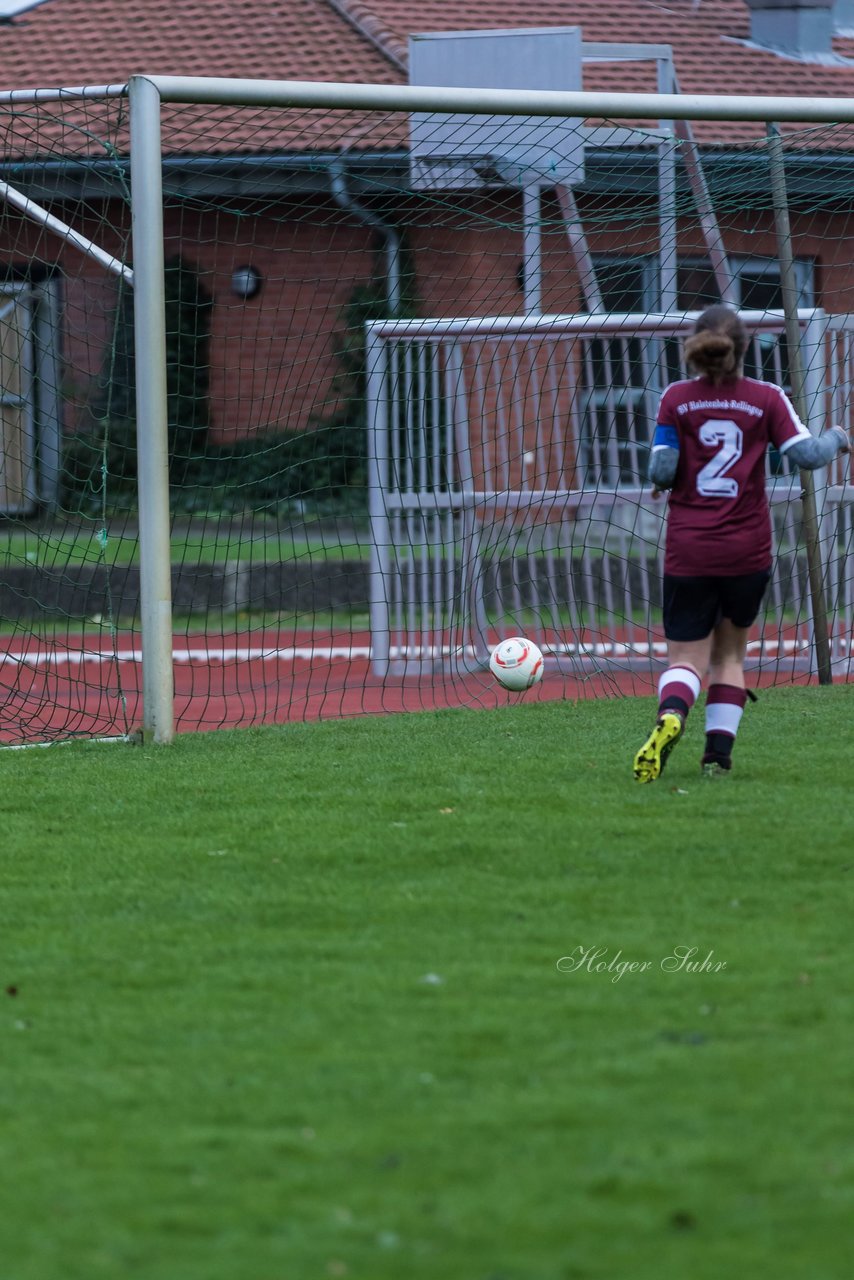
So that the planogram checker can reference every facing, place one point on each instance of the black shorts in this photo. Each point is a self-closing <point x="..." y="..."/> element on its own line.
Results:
<point x="694" y="606"/>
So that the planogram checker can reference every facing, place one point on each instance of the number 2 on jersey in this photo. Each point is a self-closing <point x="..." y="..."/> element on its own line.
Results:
<point x="712" y="479"/>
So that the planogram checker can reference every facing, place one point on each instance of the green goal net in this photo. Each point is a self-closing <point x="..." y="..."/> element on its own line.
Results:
<point x="411" y="374"/>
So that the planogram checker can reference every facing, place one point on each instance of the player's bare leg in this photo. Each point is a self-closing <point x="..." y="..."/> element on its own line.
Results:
<point x="678" y="689"/>
<point x="726" y="696"/>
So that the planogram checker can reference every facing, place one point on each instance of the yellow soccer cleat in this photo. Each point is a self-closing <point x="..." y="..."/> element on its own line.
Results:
<point x="652" y="757"/>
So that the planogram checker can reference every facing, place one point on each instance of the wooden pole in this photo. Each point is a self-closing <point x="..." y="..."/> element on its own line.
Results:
<point x="796" y="369"/>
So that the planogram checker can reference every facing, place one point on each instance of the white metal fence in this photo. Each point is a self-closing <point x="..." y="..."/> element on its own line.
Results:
<point x="507" y="488"/>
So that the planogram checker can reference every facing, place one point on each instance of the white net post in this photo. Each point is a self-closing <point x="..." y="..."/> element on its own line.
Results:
<point x="151" y="407"/>
<point x="378" y="483"/>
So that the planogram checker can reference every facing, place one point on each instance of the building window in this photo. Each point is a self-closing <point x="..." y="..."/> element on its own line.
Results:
<point x="622" y="377"/>
<point x="618" y="380"/>
<point x="757" y="284"/>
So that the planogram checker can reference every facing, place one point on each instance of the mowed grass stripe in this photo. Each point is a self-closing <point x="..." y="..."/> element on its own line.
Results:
<point x="286" y="1003"/>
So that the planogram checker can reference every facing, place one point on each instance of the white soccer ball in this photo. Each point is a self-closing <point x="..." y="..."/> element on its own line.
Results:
<point x="517" y="663"/>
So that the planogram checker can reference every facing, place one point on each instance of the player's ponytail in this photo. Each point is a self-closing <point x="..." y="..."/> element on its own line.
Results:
<point x="717" y="346"/>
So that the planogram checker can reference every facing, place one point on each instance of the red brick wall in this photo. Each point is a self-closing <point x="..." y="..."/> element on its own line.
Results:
<point x="273" y="357"/>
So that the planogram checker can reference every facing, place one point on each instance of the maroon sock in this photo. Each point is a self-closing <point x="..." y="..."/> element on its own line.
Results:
<point x="724" y="708"/>
<point x="678" y="690"/>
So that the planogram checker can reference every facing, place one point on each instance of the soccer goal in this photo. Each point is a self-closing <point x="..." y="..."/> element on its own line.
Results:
<point x="313" y="392"/>
<point x="496" y="513"/>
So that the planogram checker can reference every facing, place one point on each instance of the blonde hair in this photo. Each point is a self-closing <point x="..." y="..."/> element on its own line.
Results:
<point x="717" y="346"/>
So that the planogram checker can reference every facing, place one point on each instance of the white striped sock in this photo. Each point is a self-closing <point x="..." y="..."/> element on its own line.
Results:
<point x="723" y="717"/>
<point x="679" y="676"/>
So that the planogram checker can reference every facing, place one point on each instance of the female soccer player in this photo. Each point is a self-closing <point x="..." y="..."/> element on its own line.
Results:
<point x="709" y="449"/>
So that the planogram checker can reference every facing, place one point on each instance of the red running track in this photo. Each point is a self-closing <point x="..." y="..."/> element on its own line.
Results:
<point x="77" y="686"/>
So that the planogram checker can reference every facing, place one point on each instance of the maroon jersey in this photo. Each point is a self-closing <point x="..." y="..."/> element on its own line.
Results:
<point x="719" y="521"/>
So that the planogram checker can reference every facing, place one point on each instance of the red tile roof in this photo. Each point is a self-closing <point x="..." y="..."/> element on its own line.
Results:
<point x="73" y="42"/>
<point x="705" y="37"/>
<point x="97" y="42"/>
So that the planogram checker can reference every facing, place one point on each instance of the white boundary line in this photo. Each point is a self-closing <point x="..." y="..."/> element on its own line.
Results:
<point x="46" y="658"/>
<point x="60" y="742"/>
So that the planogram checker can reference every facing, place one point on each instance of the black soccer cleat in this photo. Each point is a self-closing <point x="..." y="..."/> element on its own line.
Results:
<point x="715" y="765"/>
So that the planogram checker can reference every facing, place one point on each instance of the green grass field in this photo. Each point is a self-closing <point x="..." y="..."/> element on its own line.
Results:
<point x="215" y="542"/>
<point x="286" y="1004"/>
<point x="69" y="545"/>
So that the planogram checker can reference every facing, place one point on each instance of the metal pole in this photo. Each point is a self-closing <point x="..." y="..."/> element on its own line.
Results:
<point x="796" y="367"/>
<point x="532" y="269"/>
<point x="579" y="249"/>
<point x="702" y="198"/>
<point x="594" y="326"/>
<point x="354" y="96"/>
<point x="10" y="97"/>
<point x="337" y="96"/>
<point x="668" y="279"/>
<point x="706" y="211"/>
<point x="151" y="412"/>
<point x="378" y="483"/>
<point x="47" y="220"/>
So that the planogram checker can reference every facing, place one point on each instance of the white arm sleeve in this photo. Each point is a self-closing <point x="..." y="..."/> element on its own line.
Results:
<point x="816" y="451"/>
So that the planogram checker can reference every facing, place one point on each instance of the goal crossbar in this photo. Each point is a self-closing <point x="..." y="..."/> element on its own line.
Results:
<point x="344" y="96"/>
<point x="604" y="323"/>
